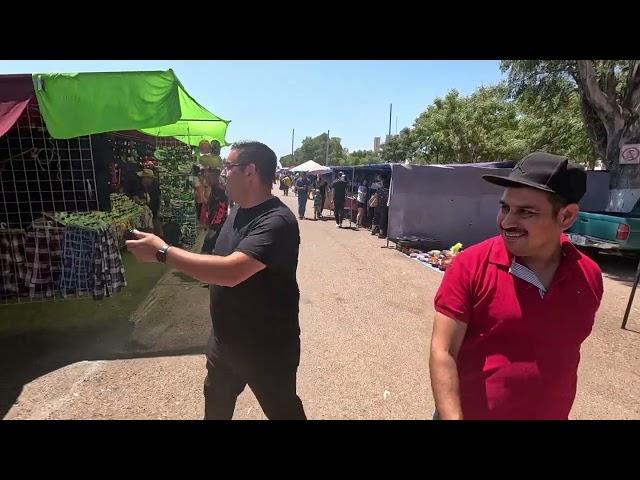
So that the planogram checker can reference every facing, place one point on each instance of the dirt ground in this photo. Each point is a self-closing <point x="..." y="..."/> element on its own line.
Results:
<point x="366" y="318"/>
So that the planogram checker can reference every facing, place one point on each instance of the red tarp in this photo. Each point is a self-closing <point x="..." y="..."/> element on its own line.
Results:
<point x="16" y="91"/>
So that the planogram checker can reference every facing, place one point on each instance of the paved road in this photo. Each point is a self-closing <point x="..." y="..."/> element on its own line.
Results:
<point x="366" y="321"/>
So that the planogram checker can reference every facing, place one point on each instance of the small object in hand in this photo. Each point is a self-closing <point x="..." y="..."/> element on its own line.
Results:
<point x="130" y="235"/>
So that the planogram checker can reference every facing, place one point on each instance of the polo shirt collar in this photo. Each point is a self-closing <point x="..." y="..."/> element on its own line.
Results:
<point x="499" y="254"/>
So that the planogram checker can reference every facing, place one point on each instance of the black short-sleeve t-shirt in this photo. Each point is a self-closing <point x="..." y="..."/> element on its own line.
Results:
<point x="263" y="308"/>
<point x="339" y="190"/>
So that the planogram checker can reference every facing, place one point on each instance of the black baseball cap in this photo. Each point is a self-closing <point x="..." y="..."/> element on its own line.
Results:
<point x="546" y="172"/>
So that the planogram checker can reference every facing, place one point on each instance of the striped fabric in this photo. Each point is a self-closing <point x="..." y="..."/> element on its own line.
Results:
<point x="78" y="261"/>
<point x="523" y="273"/>
<point x="108" y="272"/>
<point x="43" y="251"/>
<point x="12" y="263"/>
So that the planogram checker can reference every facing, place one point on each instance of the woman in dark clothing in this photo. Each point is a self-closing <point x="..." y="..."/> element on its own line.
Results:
<point x="149" y="193"/>
<point x="383" y="199"/>
<point x="323" y="193"/>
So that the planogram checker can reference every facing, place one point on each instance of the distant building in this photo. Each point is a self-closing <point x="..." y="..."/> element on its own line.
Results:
<point x="376" y="144"/>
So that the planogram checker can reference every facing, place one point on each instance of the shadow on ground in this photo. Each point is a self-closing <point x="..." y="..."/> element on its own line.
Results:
<point x="36" y="339"/>
<point x="621" y="269"/>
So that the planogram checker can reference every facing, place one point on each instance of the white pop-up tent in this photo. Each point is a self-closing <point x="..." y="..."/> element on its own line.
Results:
<point x="311" y="167"/>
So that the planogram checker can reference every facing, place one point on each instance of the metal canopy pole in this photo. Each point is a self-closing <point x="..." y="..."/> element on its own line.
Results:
<point x="633" y="293"/>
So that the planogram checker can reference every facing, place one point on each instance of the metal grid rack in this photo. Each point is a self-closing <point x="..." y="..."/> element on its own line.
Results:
<point x="40" y="174"/>
<point x="39" y="177"/>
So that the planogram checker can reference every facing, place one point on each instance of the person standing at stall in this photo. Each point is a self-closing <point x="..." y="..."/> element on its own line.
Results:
<point x="302" y="188"/>
<point x="322" y="187"/>
<point x="149" y="194"/>
<point x="339" y="187"/>
<point x="383" y="207"/>
<point x="373" y="213"/>
<point x="217" y="209"/>
<point x="362" y="202"/>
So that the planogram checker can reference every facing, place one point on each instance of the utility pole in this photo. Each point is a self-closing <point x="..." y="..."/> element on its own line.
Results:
<point x="326" y="155"/>
<point x="293" y="158"/>
<point x="390" y="110"/>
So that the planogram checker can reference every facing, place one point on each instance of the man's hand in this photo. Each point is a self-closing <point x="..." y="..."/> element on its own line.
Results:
<point x="145" y="246"/>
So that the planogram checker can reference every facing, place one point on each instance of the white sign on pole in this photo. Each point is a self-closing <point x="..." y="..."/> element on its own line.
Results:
<point x="630" y="154"/>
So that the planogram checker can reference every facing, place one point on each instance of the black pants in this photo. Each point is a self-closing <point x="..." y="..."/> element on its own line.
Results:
<point x="271" y="375"/>
<point x="323" y="197"/>
<point x="384" y="219"/>
<point x="338" y="212"/>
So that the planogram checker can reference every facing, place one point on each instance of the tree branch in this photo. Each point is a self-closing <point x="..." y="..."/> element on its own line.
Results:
<point x="631" y="99"/>
<point x="606" y="107"/>
<point x="610" y="82"/>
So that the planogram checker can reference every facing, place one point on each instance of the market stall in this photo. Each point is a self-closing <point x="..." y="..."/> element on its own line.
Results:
<point x="441" y="205"/>
<point x="73" y="149"/>
<point x="355" y="174"/>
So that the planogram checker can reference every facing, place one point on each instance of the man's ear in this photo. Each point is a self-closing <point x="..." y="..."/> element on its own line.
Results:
<point x="568" y="215"/>
<point x="251" y="169"/>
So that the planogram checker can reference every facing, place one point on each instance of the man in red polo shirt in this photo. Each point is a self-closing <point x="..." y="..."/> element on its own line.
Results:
<point x="512" y="311"/>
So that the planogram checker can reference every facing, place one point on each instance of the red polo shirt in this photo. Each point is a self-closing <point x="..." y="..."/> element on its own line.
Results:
<point x="520" y="354"/>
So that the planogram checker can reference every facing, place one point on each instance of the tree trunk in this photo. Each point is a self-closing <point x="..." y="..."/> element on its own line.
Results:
<point x="603" y="114"/>
<point x="625" y="179"/>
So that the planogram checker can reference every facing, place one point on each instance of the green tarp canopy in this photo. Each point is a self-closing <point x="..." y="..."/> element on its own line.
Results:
<point x="156" y="103"/>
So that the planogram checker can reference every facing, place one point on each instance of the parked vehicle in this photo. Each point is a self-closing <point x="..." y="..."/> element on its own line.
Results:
<point x="608" y="231"/>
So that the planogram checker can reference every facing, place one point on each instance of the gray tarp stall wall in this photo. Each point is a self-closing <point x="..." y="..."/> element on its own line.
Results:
<point x="452" y="203"/>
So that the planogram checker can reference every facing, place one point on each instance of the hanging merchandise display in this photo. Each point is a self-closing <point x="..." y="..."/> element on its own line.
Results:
<point x="78" y="169"/>
<point x="43" y="249"/>
<point x="92" y="263"/>
<point x="12" y="263"/>
<point x="178" y="173"/>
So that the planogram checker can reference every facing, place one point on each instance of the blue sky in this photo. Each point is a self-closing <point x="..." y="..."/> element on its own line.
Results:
<point x="266" y="99"/>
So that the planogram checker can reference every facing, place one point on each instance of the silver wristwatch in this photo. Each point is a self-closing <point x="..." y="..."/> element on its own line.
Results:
<point x="161" y="254"/>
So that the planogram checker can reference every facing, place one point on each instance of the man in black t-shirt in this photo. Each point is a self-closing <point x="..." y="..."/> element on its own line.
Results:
<point x="254" y="293"/>
<point x="339" y="187"/>
<point x="302" y="189"/>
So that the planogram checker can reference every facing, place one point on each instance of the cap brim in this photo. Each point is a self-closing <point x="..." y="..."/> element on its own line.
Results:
<point x="510" y="182"/>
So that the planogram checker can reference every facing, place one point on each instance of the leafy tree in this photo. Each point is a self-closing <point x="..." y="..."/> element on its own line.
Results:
<point x="609" y="97"/>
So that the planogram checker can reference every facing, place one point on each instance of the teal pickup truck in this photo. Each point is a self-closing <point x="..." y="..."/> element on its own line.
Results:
<point x="613" y="232"/>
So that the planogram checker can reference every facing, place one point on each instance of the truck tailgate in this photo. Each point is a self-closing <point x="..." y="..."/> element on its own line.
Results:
<point x="605" y="227"/>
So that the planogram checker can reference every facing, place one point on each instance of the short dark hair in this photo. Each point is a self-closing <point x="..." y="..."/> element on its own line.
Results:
<point x="261" y="156"/>
<point x="558" y="202"/>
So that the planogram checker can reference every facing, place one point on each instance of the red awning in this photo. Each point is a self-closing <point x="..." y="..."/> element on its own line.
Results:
<point x="16" y="91"/>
